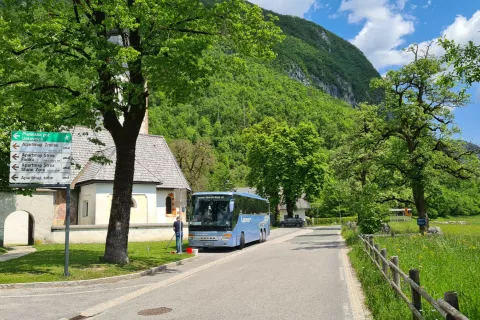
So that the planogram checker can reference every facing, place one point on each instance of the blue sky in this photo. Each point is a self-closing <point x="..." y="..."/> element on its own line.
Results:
<point x="381" y="28"/>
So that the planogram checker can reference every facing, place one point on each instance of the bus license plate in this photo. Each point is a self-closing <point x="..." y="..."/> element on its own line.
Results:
<point x="208" y="243"/>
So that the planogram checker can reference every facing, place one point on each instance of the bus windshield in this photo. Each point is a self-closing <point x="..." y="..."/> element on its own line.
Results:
<point x="212" y="210"/>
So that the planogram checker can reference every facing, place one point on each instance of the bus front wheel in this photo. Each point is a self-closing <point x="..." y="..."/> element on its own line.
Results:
<point x="242" y="241"/>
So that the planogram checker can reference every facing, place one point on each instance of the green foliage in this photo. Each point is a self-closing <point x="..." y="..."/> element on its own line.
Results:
<point x="453" y="197"/>
<point x="370" y="224"/>
<point x="195" y="160"/>
<point x="59" y="68"/>
<point x="239" y="98"/>
<point x="465" y="60"/>
<point x="285" y="161"/>
<point x="418" y="125"/>
<point x="57" y="55"/>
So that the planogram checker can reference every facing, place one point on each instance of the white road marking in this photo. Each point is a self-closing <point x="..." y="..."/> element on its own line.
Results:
<point x="356" y="303"/>
<point x="104" y="306"/>
<point x="73" y="293"/>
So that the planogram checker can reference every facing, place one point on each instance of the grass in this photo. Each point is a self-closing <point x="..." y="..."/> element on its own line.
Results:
<point x="471" y="228"/>
<point x="2" y="250"/>
<point x="379" y="297"/>
<point x="446" y="263"/>
<point x="47" y="263"/>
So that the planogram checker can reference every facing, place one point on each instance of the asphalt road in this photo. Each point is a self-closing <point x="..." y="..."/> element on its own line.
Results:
<point x="296" y="274"/>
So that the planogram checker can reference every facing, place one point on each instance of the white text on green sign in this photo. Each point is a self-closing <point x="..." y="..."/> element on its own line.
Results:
<point x="41" y="136"/>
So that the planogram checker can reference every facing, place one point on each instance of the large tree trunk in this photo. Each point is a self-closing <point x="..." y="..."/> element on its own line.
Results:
<point x="277" y="215"/>
<point x="290" y="206"/>
<point x="116" y="249"/>
<point x="125" y="138"/>
<point x="418" y="190"/>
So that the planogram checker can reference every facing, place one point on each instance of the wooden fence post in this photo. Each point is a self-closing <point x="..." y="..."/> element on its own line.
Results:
<point x="395" y="274"/>
<point x="370" y="249"/>
<point x="414" y="274"/>
<point x="377" y="254"/>
<point x="452" y="299"/>
<point x="384" y="264"/>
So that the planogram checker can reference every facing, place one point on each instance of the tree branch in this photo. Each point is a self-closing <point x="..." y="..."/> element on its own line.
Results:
<point x="394" y="198"/>
<point x="73" y="92"/>
<point x="10" y="83"/>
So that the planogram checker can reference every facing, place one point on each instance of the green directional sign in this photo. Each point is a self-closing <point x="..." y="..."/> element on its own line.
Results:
<point x="37" y="136"/>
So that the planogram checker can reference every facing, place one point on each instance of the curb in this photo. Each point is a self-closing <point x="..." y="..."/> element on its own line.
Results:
<point x="60" y="284"/>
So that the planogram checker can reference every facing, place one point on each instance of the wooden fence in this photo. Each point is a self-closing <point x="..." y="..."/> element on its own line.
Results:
<point x="447" y="307"/>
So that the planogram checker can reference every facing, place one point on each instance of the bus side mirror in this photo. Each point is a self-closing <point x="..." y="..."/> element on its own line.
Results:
<point x="231" y="205"/>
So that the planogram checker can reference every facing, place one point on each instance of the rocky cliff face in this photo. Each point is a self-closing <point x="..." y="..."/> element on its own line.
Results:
<point x="316" y="57"/>
<point x="341" y="89"/>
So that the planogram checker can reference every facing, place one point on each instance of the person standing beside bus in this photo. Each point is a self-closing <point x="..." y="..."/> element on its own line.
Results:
<point x="178" y="229"/>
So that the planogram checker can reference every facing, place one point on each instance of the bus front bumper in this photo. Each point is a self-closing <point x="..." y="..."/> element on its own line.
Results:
<point x="212" y="243"/>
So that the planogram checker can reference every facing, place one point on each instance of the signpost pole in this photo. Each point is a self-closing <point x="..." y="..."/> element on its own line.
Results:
<point x="67" y="233"/>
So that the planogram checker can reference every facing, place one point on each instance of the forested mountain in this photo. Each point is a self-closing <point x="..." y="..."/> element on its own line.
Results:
<point x="237" y="99"/>
<point x="312" y="65"/>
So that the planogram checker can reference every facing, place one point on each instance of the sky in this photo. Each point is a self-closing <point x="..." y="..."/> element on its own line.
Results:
<point x="382" y="28"/>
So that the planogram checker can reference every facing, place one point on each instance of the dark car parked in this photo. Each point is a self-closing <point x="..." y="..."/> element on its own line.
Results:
<point x="292" y="222"/>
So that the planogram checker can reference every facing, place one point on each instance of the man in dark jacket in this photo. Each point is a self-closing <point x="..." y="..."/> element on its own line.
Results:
<point x="178" y="229"/>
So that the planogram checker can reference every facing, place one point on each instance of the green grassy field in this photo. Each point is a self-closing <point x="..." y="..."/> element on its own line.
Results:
<point x="472" y="227"/>
<point x="46" y="264"/>
<point x="446" y="263"/>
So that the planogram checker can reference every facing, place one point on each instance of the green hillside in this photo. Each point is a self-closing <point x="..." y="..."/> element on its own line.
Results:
<point x="312" y="66"/>
<point x="315" y="56"/>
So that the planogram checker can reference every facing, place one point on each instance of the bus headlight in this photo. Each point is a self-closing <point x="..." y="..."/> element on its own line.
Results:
<point x="226" y="236"/>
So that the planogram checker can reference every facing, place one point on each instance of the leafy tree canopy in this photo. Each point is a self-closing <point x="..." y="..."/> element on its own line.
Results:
<point x="285" y="162"/>
<point x="91" y="59"/>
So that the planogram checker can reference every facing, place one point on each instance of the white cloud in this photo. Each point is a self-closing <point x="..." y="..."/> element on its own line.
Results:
<point x="386" y="25"/>
<point x="383" y="31"/>
<point x="295" y="8"/>
<point x="429" y="3"/>
<point x="462" y="30"/>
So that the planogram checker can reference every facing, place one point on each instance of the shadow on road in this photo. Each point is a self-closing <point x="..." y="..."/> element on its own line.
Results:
<point x="225" y="250"/>
<point x="320" y="245"/>
<point x="325" y="228"/>
<point x="317" y="235"/>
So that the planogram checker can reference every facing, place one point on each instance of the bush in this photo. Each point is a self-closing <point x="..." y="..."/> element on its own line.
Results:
<point x="370" y="225"/>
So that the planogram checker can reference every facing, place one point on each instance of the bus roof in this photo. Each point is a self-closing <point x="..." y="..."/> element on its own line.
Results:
<point x="226" y="193"/>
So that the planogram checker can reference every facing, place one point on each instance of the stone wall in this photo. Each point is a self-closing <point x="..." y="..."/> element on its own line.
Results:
<point x="40" y="206"/>
<point x="98" y="233"/>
